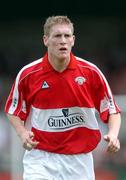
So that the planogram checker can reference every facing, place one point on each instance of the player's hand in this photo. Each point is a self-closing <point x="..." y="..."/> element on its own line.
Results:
<point x="113" y="143"/>
<point x="27" y="140"/>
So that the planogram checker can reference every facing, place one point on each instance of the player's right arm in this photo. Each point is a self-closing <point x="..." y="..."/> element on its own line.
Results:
<point x="25" y="135"/>
<point x="18" y="106"/>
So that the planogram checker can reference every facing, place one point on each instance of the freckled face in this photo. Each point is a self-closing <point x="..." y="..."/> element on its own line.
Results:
<point x="60" y="41"/>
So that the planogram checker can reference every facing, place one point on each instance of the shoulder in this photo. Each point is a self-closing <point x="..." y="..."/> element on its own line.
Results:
<point x="91" y="68"/>
<point x="84" y="64"/>
<point x="29" y="69"/>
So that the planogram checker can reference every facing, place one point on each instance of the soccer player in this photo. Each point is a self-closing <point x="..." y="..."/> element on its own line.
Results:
<point x="58" y="96"/>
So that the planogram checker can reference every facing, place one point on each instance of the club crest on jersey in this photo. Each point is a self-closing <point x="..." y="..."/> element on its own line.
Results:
<point x="45" y="85"/>
<point x="80" y="80"/>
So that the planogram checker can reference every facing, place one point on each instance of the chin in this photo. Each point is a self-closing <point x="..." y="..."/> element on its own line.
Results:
<point x="64" y="56"/>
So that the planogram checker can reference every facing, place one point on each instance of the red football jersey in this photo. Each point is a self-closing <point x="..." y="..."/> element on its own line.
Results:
<point x="61" y="106"/>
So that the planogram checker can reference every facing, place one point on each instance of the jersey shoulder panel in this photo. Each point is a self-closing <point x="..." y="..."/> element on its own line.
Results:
<point x="86" y="64"/>
<point x="82" y="63"/>
<point x="29" y="69"/>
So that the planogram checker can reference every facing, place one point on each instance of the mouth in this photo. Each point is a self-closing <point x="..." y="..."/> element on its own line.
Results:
<point x="63" y="49"/>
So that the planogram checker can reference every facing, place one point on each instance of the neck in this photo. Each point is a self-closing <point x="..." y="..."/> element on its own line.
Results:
<point x="58" y="64"/>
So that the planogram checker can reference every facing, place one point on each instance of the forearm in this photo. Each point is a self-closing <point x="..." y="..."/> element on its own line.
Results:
<point x="114" y="124"/>
<point x="111" y="137"/>
<point x="25" y="135"/>
<point x="17" y="124"/>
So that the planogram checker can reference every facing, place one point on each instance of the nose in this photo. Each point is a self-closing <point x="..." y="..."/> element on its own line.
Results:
<point x="63" y="39"/>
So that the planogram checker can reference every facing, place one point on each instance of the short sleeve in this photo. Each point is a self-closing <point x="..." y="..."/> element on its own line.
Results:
<point x="103" y="98"/>
<point x="16" y="103"/>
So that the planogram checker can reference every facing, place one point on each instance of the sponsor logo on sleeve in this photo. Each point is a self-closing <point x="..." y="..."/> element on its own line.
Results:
<point x="104" y="105"/>
<point x="15" y="101"/>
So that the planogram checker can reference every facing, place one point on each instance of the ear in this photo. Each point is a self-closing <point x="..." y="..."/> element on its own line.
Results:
<point x="73" y="40"/>
<point x="45" y="40"/>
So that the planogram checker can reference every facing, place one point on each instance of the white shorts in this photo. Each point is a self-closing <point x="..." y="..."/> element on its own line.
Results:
<point x="42" y="165"/>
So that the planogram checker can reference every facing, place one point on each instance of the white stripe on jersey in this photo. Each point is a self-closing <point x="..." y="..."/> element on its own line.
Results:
<point x="63" y="119"/>
<point x="112" y="106"/>
<point x="14" y="103"/>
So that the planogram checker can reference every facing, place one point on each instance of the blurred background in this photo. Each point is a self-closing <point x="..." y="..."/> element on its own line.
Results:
<point x="100" y="29"/>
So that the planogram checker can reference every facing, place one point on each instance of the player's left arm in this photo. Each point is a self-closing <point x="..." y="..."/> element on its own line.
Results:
<point x="114" y="123"/>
